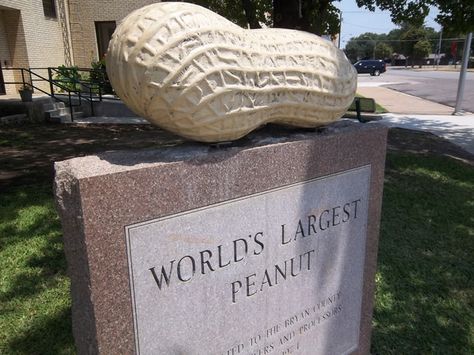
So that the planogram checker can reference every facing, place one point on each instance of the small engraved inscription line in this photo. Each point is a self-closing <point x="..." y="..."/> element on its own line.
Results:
<point x="286" y="336"/>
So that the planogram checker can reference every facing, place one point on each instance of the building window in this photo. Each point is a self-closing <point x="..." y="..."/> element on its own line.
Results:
<point x="104" y="31"/>
<point x="49" y="8"/>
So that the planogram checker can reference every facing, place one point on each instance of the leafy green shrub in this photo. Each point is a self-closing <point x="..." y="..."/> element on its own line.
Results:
<point x="99" y="78"/>
<point x="68" y="78"/>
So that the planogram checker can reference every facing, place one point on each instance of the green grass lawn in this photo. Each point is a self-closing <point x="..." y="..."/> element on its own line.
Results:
<point x="425" y="278"/>
<point x="424" y="296"/>
<point x="378" y="108"/>
<point x="35" y="307"/>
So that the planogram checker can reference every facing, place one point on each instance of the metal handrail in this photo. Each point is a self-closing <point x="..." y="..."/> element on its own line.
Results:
<point x="54" y="82"/>
<point x="55" y="71"/>
<point x="59" y="83"/>
<point x="85" y="83"/>
<point x="94" y="88"/>
<point x="30" y="83"/>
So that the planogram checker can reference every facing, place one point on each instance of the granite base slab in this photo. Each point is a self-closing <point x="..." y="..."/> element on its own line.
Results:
<point x="266" y="245"/>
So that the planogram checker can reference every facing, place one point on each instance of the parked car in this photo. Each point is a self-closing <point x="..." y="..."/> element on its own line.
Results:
<point x="372" y="67"/>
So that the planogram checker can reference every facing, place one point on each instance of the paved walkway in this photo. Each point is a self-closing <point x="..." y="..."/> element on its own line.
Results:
<point x="398" y="102"/>
<point x="457" y="129"/>
<point x="112" y="120"/>
<point x="411" y="112"/>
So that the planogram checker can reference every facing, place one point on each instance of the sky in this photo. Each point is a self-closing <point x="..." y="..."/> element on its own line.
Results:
<point x="356" y="21"/>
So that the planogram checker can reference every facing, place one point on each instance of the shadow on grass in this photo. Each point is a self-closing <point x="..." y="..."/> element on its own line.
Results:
<point x="34" y="291"/>
<point x="424" y="279"/>
<point x="27" y="152"/>
<point x="47" y="335"/>
<point x="18" y="222"/>
<point x="40" y="273"/>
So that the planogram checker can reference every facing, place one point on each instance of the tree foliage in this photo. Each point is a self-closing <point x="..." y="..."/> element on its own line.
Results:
<point x="421" y="49"/>
<point x="315" y="16"/>
<point x="393" y="37"/>
<point x="454" y="15"/>
<point x="241" y="12"/>
<point x="457" y="16"/>
<point x="383" y="51"/>
<point x="411" y="36"/>
<point x="365" y="46"/>
<point x="322" y="17"/>
<point x="401" y="41"/>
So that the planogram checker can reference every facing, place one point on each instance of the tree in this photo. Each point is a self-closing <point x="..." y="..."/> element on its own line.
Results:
<point x="322" y="17"/>
<point x="352" y="51"/>
<point x="393" y="37"/>
<point x="243" y="13"/>
<point x="315" y="16"/>
<point x="454" y="15"/>
<point x="383" y="51"/>
<point x="411" y="36"/>
<point x="421" y="50"/>
<point x="356" y="50"/>
<point x="401" y="41"/>
<point x="363" y="46"/>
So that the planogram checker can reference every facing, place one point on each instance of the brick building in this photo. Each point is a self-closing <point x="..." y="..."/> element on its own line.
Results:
<point x="49" y="33"/>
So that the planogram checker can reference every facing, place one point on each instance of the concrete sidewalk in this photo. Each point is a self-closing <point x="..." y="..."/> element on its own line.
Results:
<point x="411" y="112"/>
<point x="398" y="102"/>
<point x="111" y="120"/>
<point x="457" y="129"/>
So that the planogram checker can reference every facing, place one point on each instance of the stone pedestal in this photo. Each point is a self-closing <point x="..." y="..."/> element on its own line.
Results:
<point x="265" y="246"/>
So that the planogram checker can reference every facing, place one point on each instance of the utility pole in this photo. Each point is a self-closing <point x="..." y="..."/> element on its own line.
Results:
<point x="438" y="56"/>
<point x="462" y="74"/>
<point x="340" y="27"/>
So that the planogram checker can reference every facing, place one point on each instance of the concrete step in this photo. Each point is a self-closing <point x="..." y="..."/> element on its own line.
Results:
<point x="78" y="114"/>
<point x="52" y="116"/>
<point x="53" y="119"/>
<point x="53" y="106"/>
<point x="57" y="114"/>
<point x="58" y="111"/>
<point x="63" y="110"/>
<point x="61" y="118"/>
<point x="66" y="118"/>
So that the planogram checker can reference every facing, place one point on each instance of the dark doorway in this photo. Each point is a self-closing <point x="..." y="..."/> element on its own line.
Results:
<point x="104" y="31"/>
<point x="2" y="82"/>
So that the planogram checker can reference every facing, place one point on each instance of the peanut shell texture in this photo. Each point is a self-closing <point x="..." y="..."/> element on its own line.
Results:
<point x="190" y="71"/>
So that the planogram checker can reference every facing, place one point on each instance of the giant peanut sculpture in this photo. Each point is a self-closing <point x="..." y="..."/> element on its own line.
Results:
<point x="193" y="72"/>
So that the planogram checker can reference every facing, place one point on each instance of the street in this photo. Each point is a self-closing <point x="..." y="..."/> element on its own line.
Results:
<point x="438" y="86"/>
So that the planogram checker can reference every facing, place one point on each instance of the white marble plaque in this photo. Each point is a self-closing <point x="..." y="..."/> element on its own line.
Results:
<point x="278" y="272"/>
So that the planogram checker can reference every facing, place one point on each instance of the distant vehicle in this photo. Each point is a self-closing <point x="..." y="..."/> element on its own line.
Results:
<point x="372" y="67"/>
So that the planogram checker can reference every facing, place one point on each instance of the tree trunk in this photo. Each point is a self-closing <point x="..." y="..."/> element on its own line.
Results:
<point x="320" y="15"/>
<point x="286" y="14"/>
<point x="250" y="15"/>
<point x="305" y="15"/>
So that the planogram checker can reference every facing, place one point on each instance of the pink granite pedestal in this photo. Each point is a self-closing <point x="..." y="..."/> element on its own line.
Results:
<point x="99" y="197"/>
